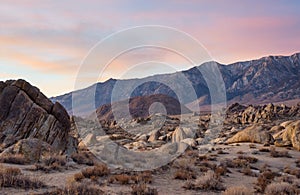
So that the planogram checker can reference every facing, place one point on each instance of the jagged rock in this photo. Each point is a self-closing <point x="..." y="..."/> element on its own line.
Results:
<point x="255" y="133"/>
<point x="25" y="112"/>
<point x="154" y="136"/>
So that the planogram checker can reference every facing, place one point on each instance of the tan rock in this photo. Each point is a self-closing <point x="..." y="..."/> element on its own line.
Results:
<point x="255" y="133"/>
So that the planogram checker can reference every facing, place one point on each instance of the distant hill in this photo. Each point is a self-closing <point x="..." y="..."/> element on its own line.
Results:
<point x="264" y="80"/>
<point x="139" y="107"/>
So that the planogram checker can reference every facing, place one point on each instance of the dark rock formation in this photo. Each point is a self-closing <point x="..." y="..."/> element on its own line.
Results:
<point x="25" y="112"/>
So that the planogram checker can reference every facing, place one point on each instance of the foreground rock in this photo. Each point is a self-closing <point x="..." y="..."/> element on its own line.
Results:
<point x="27" y="113"/>
<point x="255" y="133"/>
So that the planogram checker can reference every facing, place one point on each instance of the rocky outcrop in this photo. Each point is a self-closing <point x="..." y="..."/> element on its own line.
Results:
<point x="289" y="136"/>
<point x="239" y="114"/>
<point x="255" y="134"/>
<point x="25" y="112"/>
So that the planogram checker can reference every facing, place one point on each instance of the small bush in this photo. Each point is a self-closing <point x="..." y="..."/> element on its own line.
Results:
<point x="264" y="150"/>
<point x="277" y="154"/>
<point x="57" y="160"/>
<point x="209" y="182"/>
<point x="249" y="159"/>
<point x="252" y="146"/>
<point x="78" y="177"/>
<point x="12" y="177"/>
<point x="263" y="180"/>
<point x="80" y="188"/>
<point x="142" y="189"/>
<point x="247" y="171"/>
<point x="280" y="188"/>
<point x="237" y="190"/>
<point x="221" y="170"/>
<point x="144" y="177"/>
<point x="98" y="170"/>
<point x="184" y="175"/>
<point x="122" y="179"/>
<point x="14" y="159"/>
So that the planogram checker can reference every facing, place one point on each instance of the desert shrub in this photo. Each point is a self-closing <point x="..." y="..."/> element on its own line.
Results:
<point x="142" y="189"/>
<point x="264" y="150"/>
<point x="121" y="179"/>
<point x="221" y="152"/>
<point x="12" y="177"/>
<point x="249" y="159"/>
<point x="237" y="190"/>
<point x="78" y="177"/>
<point x="50" y="163"/>
<point x="184" y="175"/>
<point x="14" y="159"/>
<point x="291" y="171"/>
<point x="209" y="182"/>
<point x="264" y="179"/>
<point x="51" y="160"/>
<point x="297" y="163"/>
<point x="144" y="177"/>
<point x="81" y="189"/>
<point x="276" y="154"/>
<point x="280" y="188"/>
<point x="83" y="157"/>
<point x="247" y="171"/>
<point x="252" y="146"/>
<point x="98" y="170"/>
<point x="220" y="170"/>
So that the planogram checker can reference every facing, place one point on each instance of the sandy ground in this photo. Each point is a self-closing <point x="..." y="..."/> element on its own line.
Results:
<point x="164" y="181"/>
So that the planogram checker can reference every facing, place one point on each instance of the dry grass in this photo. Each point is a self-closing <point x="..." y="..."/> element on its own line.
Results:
<point x="142" y="189"/>
<point x="209" y="182"/>
<point x="51" y="163"/>
<point x="263" y="180"/>
<point x="237" y="190"/>
<point x="241" y="161"/>
<point x="280" y="188"/>
<point x="75" y="188"/>
<point x="292" y="171"/>
<point x="184" y="175"/>
<point x="14" y="159"/>
<point x="279" y="154"/>
<point x="12" y="177"/>
<point x="98" y="170"/>
<point x="247" y="171"/>
<point x="126" y="178"/>
<point x="121" y="179"/>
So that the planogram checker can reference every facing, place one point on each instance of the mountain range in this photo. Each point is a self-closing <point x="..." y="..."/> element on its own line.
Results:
<point x="268" y="79"/>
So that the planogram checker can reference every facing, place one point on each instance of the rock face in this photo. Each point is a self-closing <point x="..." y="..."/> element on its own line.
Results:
<point x="289" y="136"/>
<point x="255" y="133"/>
<point x="25" y="112"/>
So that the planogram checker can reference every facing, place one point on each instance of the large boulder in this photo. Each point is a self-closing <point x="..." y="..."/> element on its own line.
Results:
<point x="32" y="149"/>
<point x="182" y="133"/>
<point x="290" y="135"/>
<point x="255" y="134"/>
<point x="25" y="112"/>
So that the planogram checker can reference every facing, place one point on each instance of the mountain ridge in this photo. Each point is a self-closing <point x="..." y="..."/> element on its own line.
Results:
<point x="263" y="80"/>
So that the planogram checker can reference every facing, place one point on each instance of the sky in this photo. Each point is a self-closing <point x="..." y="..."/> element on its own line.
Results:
<point x="46" y="42"/>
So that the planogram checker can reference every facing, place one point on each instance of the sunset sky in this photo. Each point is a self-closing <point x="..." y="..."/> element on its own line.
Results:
<point x="45" y="41"/>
